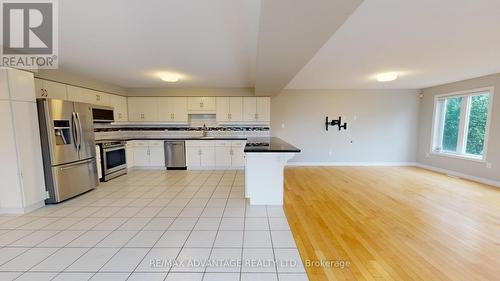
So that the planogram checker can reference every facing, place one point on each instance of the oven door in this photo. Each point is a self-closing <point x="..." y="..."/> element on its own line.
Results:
<point x="114" y="159"/>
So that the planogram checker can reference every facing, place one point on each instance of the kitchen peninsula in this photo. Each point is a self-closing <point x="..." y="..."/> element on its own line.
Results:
<point x="265" y="161"/>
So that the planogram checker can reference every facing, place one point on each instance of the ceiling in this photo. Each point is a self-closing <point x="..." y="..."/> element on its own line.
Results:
<point x="429" y="42"/>
<point x="315" y="44"/>
<point x="125" y="42"/>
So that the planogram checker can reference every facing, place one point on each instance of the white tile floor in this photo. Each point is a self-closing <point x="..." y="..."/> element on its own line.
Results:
<point x="153" y="225"/>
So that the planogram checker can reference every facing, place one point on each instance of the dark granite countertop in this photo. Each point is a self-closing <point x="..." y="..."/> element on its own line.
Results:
<point x="170" y="138"/>
<point x="275" y="145"/>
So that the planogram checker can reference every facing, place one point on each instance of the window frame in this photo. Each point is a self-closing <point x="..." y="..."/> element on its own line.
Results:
<point x="438" y="124"/>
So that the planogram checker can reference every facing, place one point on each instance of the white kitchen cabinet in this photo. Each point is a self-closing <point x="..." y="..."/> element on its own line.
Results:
<point x="209" y="154"/>
<point x="129" y="154"/>
<point x="23" y="186"/>
<point x="79" y="94"/>
<point x="263" y="109"/>
<point x="256" y="109"/>
<point x="229" y="110"/>
<point x="238" y="154"/>
<point x="148" y="154"/>
<point x="143" y="109"/>
<point x="202" y="152"/>
<point x="223" y="154"/>
<point x="156" y="154"/>
<point x="201" y="104"/>
<point x="98" y="160"/>
<point x="173" y="110"/>
<point x="193" y="160"/>
<point x="50" y="89"/>
<point x="119" y="105"/>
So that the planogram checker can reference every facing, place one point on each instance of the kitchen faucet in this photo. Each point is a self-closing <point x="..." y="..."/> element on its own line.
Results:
<point x="205" y="130"/>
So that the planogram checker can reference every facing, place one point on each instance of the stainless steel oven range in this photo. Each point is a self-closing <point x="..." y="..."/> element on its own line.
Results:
<point x="114" y="160"/>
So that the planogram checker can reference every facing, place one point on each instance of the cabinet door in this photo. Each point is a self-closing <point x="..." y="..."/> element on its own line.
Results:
<point x="10" y="191"/>
<point x="193" y="157"/>
<point x="129" y="154"/>
<point x="156" y="154"/>
<point x="143" y="109"/>
<point x="55" y="90"/>
<point x="119" y="105"/>
<point x="141" y="155"/>
<point x="194" y="103"/>
<point x="208" y="156"/>
<point x="238" y="155"/>
<point x="201" y="104"/>
<point x="179" y="109"/>
<point x="263" y="109"/>
<point x="249" y="109"/>
<point x="208" y="103"/>
<point x="75" y="94"/>
<point x="165" y="113"/>
<point x="39" y="88"/>
<point x="235" y="109"/>
<point x="21" y="85"/>
<point x="222" y="109"/>
<point x="223" y="156"/>
<point x="29" y="151"/>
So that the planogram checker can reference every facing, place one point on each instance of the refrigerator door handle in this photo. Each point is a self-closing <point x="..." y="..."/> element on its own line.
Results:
<point x="75" y="165"/>
<point x="80" y="132"/>
<point x="75" y="130"/>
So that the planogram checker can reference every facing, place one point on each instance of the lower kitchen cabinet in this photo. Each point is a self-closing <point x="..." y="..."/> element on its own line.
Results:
<point x="129" y="154"/>
<point x="203" y="155"/>
<point x="148" y="154"/>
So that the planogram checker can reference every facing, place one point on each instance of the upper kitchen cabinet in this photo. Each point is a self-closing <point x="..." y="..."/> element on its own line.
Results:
<point x="201" y="104"/>
<point x="120" y="110"/>
<point x="143" y="109"/>
<point x="79" y="94"/>
<point x="229" y="110"/>
<point x="19" y="84"/>
<point x="256" y="109"/>
<point x="173" y="110"/>
<point x="51" y="90"/>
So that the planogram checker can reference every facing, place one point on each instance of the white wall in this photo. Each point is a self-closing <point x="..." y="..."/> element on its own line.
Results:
<point x="385" y="129"/>
<point x="472" y="168"/>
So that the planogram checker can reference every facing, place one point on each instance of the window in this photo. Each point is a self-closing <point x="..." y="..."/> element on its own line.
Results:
<point x="461" y="122"/>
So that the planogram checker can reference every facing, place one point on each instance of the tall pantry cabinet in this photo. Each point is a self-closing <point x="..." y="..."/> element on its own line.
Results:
<point x="22" y="185"/>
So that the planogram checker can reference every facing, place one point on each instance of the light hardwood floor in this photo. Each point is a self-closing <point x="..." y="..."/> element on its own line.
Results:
<point x="393" y="223"/>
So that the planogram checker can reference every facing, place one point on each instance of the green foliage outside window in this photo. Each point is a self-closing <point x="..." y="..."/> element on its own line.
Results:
<point x="451" y="123"/>
<point x="477" y="124"/>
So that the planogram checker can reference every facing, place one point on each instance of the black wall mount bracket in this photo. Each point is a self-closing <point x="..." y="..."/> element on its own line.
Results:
<point x="337" y="122"/>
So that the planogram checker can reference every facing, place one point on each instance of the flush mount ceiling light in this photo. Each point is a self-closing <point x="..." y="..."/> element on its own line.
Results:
<point x="169" y="77"/>
<point x="387" y="77"/>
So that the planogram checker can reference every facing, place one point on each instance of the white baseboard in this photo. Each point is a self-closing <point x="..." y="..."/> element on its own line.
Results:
<point x="351" y="164"/>
<point x="22" y="210"/>
<point x="460" y="175"/>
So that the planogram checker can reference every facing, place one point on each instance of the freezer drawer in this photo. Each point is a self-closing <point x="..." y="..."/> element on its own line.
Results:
<point x="72" y="179"/>
<point x="175" y="155"/>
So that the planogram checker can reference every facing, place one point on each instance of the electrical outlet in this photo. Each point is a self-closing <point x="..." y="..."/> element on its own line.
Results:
<point x="330" y="152"/>
<point x="488" y="165"/>
<point x="427" y="155"/>
<point x="47" y="195"/>
<point x="355" y="118"/>
<point x="282" y="125"/>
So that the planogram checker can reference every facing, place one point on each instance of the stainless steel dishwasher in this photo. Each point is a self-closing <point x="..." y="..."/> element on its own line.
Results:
<point x="175" y="155"/>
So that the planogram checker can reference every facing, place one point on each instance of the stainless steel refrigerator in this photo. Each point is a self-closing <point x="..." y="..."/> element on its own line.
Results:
<point x="68" y="148"/>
